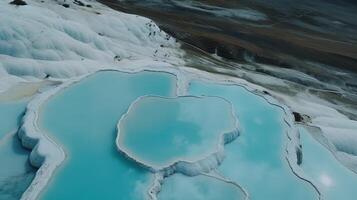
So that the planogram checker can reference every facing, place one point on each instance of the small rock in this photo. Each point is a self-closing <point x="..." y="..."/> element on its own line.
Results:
<point x="78" y="3"/>
<point x="18" y="2"/>
<point x="266" y="92"/>
<point x="298" y="117"/>
<point x="117" y="58"/>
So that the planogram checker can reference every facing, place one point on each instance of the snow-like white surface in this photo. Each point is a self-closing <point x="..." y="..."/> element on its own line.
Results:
<point x="341" y="132"/>
<point x="43" y="39"/>
<point x="338" y="129"/>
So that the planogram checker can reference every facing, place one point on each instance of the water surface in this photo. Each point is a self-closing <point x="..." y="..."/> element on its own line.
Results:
<point x="83" y="120"/>
<point x="159" y="131"/>
<point x="16" y="173"/>
<point x="10" y="115"/>
<point x="256" y="159"/>
<point x="334" y="180"/>
<point x="179" y="187"/>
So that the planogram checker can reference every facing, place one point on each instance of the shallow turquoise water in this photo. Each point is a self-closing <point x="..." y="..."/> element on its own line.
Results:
<point x="16" y="173"/>
<point x="10" y="114"/>
<point x="334" y="180"/>
<point x="159" y="131"/>
<point x="256" y="159"/>
<point x="83" y="119"/>
<point x="180" y="187"/>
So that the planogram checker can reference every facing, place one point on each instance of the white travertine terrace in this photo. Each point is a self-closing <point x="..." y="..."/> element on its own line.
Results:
<point x="203" y="163"/>
<point x="48" y="155"/>
<point x="68" y="44"/>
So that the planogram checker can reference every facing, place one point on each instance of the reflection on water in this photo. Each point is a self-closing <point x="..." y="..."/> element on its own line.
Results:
<point x="160" y="131"/>
<point x="256" y="159"/>
<point x="333" y="179"/>
<point x="83" y="119"/>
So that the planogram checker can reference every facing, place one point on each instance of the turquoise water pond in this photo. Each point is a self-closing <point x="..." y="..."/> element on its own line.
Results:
<point x="256" y="159"/>
<point x="16" y="173"/>
<point x="333" y="179"/>
<point x="179" y="187"/>
<point x="161" y="128"/>
<point x="83" y="119"/>
<point x="10" y="115"/>
<point x="159" y="131"/>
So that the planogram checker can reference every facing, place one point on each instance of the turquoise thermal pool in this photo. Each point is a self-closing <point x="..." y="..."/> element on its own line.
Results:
<point x="10" y="115"/>
<point x="16" y="173"/>
<point x="201" y="187"/>
<point x="333" y="179"/>
<point x="83" y="120"/>
<point x="136" y="139"/>
<point x="160" y="131"/>
<point x="256" y="159"/>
